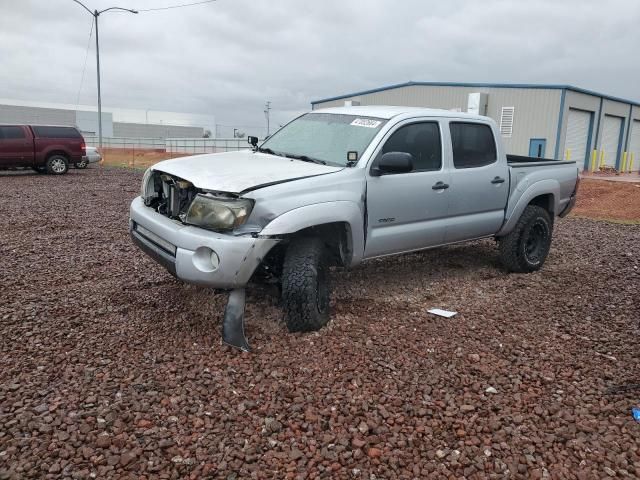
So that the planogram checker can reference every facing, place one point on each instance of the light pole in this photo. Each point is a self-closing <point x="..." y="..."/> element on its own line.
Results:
<point x="267" y="109"/>
<point x="95" y="14"/>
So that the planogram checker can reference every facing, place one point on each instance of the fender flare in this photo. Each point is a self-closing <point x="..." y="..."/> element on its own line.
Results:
<point x="542" y="187"/>
<point x="320" y="214"/>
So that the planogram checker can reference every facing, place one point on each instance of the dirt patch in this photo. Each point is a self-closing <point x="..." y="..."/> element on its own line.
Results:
<point x="111" y="368"/>
<point x="601" y="199"/>
<point x="136" y="158"/>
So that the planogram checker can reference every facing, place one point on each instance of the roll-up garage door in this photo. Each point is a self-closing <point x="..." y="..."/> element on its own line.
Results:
<point x="611" y="139"/>
<point x="634" y="145"/>
<point x="578" y="125"/>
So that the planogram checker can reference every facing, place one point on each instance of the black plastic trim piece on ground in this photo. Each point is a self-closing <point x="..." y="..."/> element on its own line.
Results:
<point x="233" y="322"/>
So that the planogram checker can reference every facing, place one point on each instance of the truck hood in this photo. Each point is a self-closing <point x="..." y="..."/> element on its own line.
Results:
<point x="235" y="172"/>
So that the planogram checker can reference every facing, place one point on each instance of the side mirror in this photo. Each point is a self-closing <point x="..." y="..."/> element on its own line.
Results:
<point x="253" y="141"/>
<point x="393" y="162"/>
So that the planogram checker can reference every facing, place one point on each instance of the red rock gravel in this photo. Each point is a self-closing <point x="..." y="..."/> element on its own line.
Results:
<point x="110" y="368"/>
<point x="603" y="199"/>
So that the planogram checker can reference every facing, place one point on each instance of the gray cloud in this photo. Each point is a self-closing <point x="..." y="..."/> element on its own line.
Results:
<point x="226" y="58"/>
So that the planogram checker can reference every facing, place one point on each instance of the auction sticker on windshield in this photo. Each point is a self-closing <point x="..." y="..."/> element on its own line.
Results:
<point x="366" y="122"/>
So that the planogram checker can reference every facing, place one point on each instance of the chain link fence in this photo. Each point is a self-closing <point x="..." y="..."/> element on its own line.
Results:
<point x="144" y="152"/>
<point x="172" y="145"/>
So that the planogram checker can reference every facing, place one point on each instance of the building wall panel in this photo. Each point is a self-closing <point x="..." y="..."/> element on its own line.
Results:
<point x="141" y="130"/>
<point x="37" y="116"/>
<point x="535" y="116"/>
<point x="87" y="122"/>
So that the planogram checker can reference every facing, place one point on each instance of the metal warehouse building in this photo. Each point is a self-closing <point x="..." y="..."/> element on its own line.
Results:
<point x="551" y="121"/>
<point x="86" y="119"/>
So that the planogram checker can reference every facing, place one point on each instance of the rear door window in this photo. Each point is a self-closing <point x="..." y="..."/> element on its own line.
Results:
<point x="56" y="132"/>
<point x="11" y="133"/>
<point x="473" y="145"/>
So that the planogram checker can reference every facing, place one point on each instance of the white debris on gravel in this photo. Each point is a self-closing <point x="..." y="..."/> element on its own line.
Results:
<point x="442" y="313"/>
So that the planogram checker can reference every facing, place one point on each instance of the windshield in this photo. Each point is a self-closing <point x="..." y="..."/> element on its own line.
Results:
<point x="325" y="137"/>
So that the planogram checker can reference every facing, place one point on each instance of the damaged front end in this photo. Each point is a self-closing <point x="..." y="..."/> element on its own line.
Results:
<point x="221" y="212"/>
<point x="179" y="199"/>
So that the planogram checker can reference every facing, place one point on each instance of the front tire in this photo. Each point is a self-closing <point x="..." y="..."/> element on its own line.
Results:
<point x="305" y="285"/>
<point x="526" y="247"/>
<point x="57" y="165"/>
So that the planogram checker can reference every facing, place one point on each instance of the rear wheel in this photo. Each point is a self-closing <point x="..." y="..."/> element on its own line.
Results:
<point x="305" y="285"/>
<point x="82" y="164"/>
<point x="526" y="247"/>
<point x="57" y="165"/>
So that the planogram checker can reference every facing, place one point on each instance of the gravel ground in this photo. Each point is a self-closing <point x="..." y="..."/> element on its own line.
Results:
<point x="110" y="368"/>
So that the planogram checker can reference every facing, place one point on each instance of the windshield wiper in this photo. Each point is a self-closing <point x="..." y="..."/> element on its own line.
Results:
<point x="269" y="151"/>
<point x="305" y="158"/>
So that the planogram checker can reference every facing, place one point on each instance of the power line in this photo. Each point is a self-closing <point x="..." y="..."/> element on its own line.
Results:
<point x="84" y="67"/>
<point x="176" y="6"/>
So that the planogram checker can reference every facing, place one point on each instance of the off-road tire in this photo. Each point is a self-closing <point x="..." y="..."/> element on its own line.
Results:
<point x="305" y="285"/>
<point x="57" y="165"/>
<point x="526" y="247"/>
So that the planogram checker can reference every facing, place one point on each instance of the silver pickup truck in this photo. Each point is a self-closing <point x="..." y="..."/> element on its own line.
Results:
<point x="338" y="186"/>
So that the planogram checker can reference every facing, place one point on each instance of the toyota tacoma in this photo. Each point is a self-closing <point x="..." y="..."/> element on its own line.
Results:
<point x="339" y="186"/>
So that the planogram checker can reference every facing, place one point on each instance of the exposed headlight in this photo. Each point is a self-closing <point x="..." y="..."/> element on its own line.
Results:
<point x="147" y="190"/>
<point x="218" y="214"/>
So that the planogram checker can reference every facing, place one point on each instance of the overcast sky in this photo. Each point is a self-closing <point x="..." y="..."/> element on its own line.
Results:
<point x="228" y="57"/>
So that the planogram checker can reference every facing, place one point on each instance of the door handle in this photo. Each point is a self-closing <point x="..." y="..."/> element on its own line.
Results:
<point x="497" y="180"/>
<point x="440" y="186"/>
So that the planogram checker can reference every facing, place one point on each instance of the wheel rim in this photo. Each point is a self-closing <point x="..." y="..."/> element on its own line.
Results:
<point x="82" y="164"/>
<point x="535" y="242"/>
<point x="58" y="165"/>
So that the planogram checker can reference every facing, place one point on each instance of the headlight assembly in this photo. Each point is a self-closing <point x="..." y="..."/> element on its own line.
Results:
<point x="147" y="189"/>
<point x="218" y="214"/>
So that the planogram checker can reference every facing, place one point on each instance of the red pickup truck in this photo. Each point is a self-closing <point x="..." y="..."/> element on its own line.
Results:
<point x="44" y="148"/>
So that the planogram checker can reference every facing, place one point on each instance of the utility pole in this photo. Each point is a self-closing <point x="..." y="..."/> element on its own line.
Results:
<point x="95" y="14"/>
<point x="267" y="109"/>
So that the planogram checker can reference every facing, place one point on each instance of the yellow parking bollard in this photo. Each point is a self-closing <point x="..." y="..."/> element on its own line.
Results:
<point x="601" y="164"/>
<point x="624" y="162"/>
<point x="631" y="162"/>
<point x="594" y="157"/>
<point x="567" y="154"/>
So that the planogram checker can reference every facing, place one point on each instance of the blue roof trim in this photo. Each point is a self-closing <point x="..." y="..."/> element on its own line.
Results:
<point x="481" y="85"/>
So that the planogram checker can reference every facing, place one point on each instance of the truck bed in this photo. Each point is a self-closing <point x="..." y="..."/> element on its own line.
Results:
<point x="557" y="176"/>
